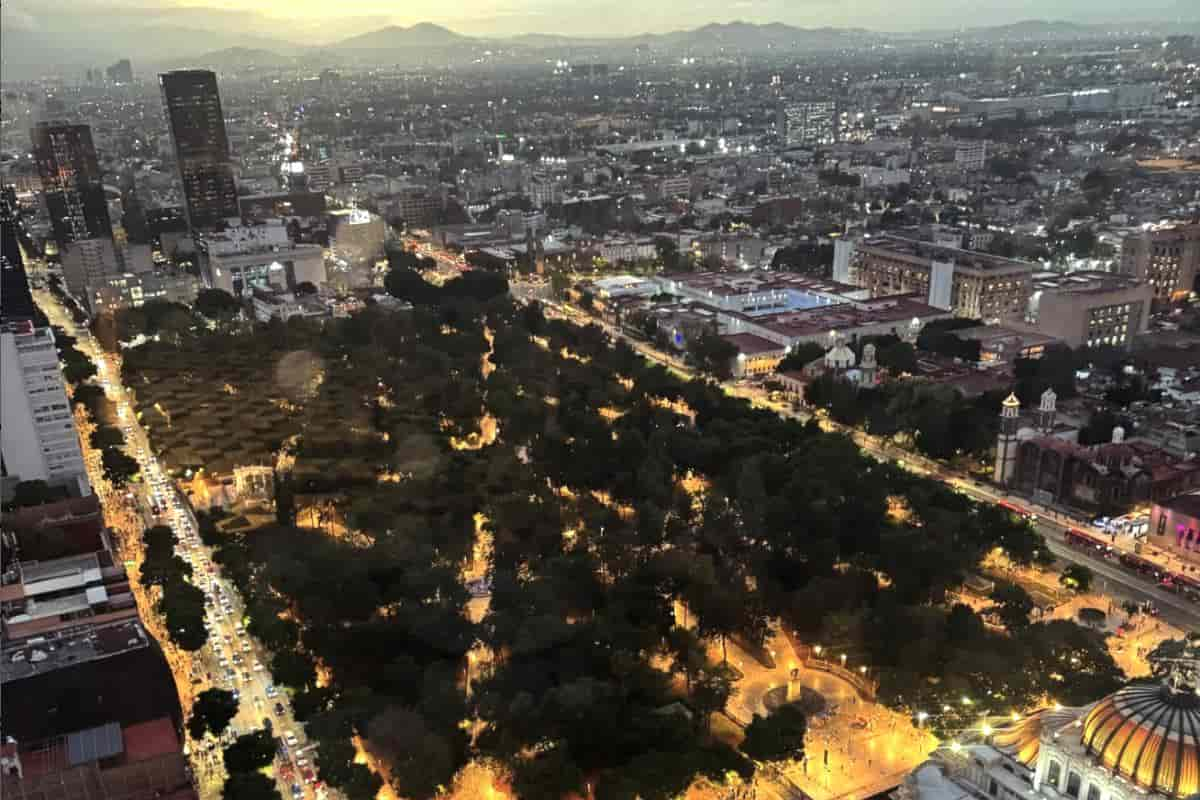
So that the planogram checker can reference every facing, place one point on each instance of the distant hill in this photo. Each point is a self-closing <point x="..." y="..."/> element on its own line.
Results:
<point x="749" y="36"/>
<point x="232" y="58"/>
<point x="424" y="34"/>
<point x="1036" y="29"/>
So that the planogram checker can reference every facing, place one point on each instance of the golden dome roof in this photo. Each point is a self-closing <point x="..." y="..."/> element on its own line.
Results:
<point x="1022" y="737"/>
<point x="1150" y="734"/>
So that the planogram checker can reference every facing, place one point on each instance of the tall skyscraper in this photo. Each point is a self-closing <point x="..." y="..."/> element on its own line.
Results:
<point x="193" y="108"/>
<point x="120" y="72"/>
<point x="72" y="184"/>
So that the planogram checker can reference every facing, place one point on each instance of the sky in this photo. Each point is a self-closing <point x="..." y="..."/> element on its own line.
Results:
<point x="322" y="21"/>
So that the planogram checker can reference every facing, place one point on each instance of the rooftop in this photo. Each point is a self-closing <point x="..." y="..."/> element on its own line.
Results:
<point x="924" y="252"/>
<point x="882" y="310"/>
<point x="1083" y="282"/>
<point x="40" y="655"/>
<point x="751" y="345"/>
<point x="1188" y="504"/>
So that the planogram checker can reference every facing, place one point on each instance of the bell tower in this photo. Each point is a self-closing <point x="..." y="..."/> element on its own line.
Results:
<point x="1006" y="441"/>
<point x="1046" y="413"/>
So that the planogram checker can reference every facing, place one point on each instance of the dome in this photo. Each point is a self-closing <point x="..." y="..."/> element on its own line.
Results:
<point x="1022" y="738"/>
<point x="1149" y="734"/>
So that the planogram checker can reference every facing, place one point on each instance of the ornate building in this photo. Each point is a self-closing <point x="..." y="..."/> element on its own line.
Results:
<point x="1140" y="743"/>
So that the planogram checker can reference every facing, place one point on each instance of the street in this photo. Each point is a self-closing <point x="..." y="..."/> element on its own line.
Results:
<point x="231" y="659"/>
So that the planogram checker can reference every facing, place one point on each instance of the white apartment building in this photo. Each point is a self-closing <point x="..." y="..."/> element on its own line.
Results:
<point x="39" y="440"/>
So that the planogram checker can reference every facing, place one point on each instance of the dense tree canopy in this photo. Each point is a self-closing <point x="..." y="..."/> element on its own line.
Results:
<point x="470" y="437"/>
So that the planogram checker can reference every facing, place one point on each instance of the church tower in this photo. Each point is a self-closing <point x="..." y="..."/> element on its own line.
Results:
<point x="1046" y="413"/>
<point x="867" y="367"/>
<point x="1006" y="442"/>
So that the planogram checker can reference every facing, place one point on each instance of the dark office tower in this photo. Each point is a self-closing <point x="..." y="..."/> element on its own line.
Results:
<point x="16" y="303"/>
<point x="193" y="109"/>
<point x="120" y="72"/>
<point x="71" y="181"/>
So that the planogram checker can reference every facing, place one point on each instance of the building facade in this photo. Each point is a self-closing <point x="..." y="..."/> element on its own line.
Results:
<point x="810" y="124"/>
<point x="1165" y="256"/>
<point x="87" y="263"/>
<point x="193" y="110"/>
<point x="72" y="184"/>
<point x="39" y="438"/>
<point x="133" y="290"/>
<point x="1087" y="309"/>
<point x="971" y="284"/>
<point x="241" y="259"/>
<point x="1175" y="526"/>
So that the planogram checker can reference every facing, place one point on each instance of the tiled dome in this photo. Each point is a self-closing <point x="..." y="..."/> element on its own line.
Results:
<point x="1150" y="734"/>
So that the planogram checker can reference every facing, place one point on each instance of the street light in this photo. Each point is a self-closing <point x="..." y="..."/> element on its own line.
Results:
<point x="921" y="717"/>
<point x="817" y="650"/>
<point x="843" y="659"/>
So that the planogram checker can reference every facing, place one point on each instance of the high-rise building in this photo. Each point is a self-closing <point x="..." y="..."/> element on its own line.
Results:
<point x="87" y="263"/>
<point x="1166" y="256"/>
<point x="120" y="72"/>
<point x="809" y="124"/>
<point x="16" y="303"/>
<point x="193" y="109"/>
<point x="72" y="184"/>
<point x="38" y="436"/>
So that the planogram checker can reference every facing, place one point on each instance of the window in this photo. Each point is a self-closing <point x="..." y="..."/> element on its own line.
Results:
<point x="1093" y="792"/>
<point x="1073" y="783"/>
<point x="1054" y="774"/>
<point x="994" y="787"/>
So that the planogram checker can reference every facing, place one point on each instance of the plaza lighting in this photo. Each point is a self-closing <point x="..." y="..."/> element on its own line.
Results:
<point x="986" y="729"/>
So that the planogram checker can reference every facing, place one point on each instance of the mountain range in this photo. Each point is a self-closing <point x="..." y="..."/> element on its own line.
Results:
<point x="154" y="43"/>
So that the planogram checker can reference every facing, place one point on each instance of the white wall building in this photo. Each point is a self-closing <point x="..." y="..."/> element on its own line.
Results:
<point x="241" y="259"/>
<point x="38" y="434"/>
<point x="87" y="262"/>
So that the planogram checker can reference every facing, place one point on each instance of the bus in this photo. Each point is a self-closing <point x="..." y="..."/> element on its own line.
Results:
<point x="1017" y="511"/>
<point x="1087" y="541"/>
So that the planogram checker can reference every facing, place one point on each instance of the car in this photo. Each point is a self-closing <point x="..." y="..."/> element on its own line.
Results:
<point x="309" y="775"/>
<point x="297" y="791"/>
<point x="279" y="709"/>
<point x="267" y="724"/>
<point x="290" y="738"/>
<point x="301" y="762"/>
<point x="271" y="690"/>
<point x="245" y="676"/>
<point x="246" y="647"/>
<point x="258" y="667"/>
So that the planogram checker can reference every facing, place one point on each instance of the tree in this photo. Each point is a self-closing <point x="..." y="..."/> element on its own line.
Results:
<point x="713" y="354"/>
<point x="212" y="712"/>
<point x="250" y="752"/>
<point x="249" y="786"/>
<point x="1012" y="605"/>
<point x="34" y="493"/>
<point x="106" y="436"/>
<point x="216" y="304"/>
<point x="293" y="668"/>
<point x="183" y="606"/>
<point x="547" y="777"/>
<point x="1092" y="617"/>
<point x="801" y="356"/>
<point x="777" y="737"/>
<point x="77" y="371"/>
<point x="710" y="692"/>
<point x="119" y="468"/>
<point x="1077" y="577"/>
<point x="421" y="759"/>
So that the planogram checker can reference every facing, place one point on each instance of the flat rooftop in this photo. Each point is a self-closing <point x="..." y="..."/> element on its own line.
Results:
<point x="751" y="345"/>
<point x="1083" y="282"/>
<point x="920" y="252"/>
<point x="733" y="284"/>
<point x="897" y="309"/>
<point x="41" y="654"/>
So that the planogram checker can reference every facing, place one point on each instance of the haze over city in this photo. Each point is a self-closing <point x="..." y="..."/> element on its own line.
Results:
<point x="599" y="401"/>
